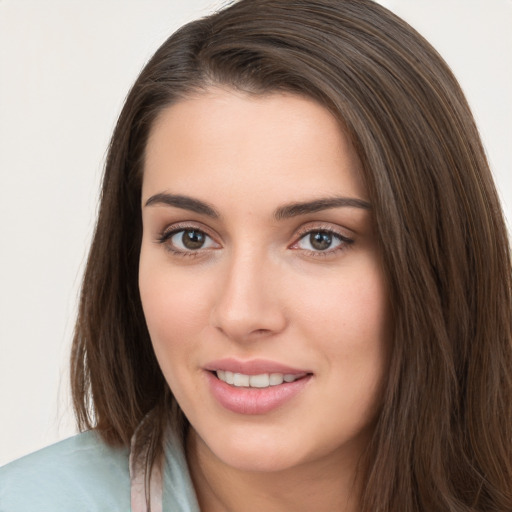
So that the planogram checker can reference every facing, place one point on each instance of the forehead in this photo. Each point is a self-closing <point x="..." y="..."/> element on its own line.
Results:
<point x="264" y="143"/>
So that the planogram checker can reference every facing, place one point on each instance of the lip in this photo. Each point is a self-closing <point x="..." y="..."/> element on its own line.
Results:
<point x="253" y="401"/>
<point x="253" y="367"/>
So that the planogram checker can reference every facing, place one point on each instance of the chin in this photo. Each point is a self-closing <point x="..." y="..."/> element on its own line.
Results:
<point x="259" y="460"/>
<point x="270" y="449"/>
<point x="255" y="452"/>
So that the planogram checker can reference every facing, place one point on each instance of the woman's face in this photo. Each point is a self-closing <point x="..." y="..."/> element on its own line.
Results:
<point x="260" y="279"/>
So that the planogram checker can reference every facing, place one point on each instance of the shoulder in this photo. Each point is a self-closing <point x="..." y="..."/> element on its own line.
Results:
<point x="80" y="473"/>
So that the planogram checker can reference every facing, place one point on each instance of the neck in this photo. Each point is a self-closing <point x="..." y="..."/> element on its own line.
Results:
<point x="326" y="484"/>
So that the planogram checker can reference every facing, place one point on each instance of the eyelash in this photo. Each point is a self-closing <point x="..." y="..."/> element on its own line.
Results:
<point x="344" y="242"/>
<point x="167" y="234"/>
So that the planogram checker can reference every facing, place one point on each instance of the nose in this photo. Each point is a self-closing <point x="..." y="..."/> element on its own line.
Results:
<point x="248" y="305"/>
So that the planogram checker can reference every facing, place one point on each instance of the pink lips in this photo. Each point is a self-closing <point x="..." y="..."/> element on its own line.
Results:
<point x="244" y="400"/>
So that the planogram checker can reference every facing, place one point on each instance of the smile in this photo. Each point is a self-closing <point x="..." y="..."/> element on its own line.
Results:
<point x="263" y="380"/>
<point x="256" y="386"/>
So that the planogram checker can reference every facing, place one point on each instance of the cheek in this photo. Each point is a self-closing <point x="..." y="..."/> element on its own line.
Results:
<point x="173" y="317"/>
<point x="163" y="306"/>
<point x="175" y="308"/>
<point x="351" y="327"/>
<point x="353" y="309"/>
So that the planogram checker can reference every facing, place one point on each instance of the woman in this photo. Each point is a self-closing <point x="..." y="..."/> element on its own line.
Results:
<point x="298" y="292"/>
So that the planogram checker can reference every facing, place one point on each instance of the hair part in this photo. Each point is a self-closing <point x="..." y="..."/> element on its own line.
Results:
<point x="443" y="440"/>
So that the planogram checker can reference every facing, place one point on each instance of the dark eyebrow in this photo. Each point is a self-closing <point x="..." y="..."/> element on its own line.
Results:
<point x="295" y="209"/>
<point x="183" y="202"/>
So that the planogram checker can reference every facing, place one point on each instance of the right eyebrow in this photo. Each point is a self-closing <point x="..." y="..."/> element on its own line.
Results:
<point x="183" y="202"/>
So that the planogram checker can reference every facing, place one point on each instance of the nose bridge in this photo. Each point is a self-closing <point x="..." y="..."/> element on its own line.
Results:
<point x="247" y="301"/>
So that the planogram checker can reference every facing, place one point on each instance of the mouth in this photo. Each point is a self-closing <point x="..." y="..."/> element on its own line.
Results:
<point x="257" y="386"/>
<point x="260" y="381"/>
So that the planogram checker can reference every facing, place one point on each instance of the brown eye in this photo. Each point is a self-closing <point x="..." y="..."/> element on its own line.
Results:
<point x="187" y="240"/>
<point x="320" y="240"/>
<point x="193" y="239"/>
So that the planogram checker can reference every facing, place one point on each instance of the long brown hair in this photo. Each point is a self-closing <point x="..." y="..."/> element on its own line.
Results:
<point x="443" y="440"/>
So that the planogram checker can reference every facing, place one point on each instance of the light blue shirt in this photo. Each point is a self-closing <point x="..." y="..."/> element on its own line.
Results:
<point x="84" y="474"/>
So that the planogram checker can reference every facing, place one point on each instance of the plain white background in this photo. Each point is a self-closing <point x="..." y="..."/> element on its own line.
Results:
<point x="65" y="68"/>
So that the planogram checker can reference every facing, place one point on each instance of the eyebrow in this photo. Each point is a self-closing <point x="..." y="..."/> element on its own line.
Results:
<point x="183" y="202"/>
<point x="283" y="212"/>
<point x="296" y="209"/>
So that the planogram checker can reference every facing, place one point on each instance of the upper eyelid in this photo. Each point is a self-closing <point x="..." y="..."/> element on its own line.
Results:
<point x="344" y="239"/>
<point x="164" y="238"/>
<point x="183" y="226"/>
<point x="327" y="226"/>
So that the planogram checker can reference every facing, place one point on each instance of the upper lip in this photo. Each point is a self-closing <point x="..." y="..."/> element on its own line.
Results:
<point x="253" y="367"/>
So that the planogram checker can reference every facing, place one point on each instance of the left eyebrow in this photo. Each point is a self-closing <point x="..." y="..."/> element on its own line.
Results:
<point x="296" y="209"/>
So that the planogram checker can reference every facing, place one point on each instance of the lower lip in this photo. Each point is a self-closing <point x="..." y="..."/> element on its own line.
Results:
<point x="254" y="400"/>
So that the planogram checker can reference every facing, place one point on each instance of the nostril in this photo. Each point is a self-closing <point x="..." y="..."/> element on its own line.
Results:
<point x="261" y="331"/>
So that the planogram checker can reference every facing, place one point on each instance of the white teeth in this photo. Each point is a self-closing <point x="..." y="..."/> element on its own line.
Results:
<point x="259" y="381"/>
<point x="263" y="380"/>
<point x="239" y="380"/>
<point x="276" y="379"/>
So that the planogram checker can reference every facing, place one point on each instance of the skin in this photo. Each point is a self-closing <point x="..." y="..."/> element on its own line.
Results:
<point x="258" y="288"/>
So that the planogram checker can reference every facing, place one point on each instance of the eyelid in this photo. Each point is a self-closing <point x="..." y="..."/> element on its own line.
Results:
<point x="336" y="231"/>
<point x="322" y="226"/>
<point x="183" y="226"/>
<point x="164" y="236"/>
